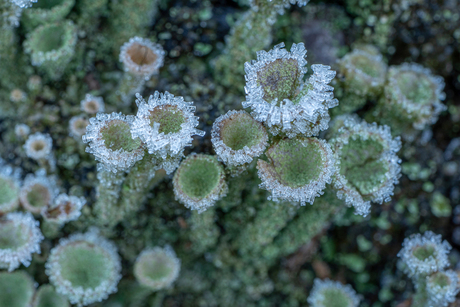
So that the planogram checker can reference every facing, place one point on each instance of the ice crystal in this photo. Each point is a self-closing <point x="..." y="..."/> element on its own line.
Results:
<point x="237" y="138"/>
<point x="199" y="182"/>
<point x="109" y="140"/>
<point x="39" y="146"/>
<point x="38" y="191"/>
<point x="416" y="93"/>
<point x="157" y="268"/>
<point x="165" y="124"/>
<point x="442" y="288"/>
<point x="326" y="293"/>
<point x="92" y="104"/>
<point x="304" y="184"/>
<point x="77" y="126"/>
<point x="424" y="254"/>
<point x="68" y="264"/>
<point x="64" y="209"/>
<point x="141" y="57"/>
<point x="302" y="110"/>
<point x="9" y="187"/>
<point x="356" y="130"/>
<point x="20" y="237"/>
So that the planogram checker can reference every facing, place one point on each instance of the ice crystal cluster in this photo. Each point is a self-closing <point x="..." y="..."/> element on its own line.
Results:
<point x="278" y="96"/>
<point x="362" y="148"/>
<point x="20" y="237"/>
<point x="328" y="293"/>
<point x="85" y="268"/>
<point x="426" y="260"/>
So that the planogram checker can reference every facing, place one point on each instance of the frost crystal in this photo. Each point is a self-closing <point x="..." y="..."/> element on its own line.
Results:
<point x="141" y="57"/>
<point x="38" y="191"/>
<point x="64" y="209"/>
<point x="20" y="237"/>
<point x="199" y="182"/>
<point x="9" y="187"/>
<point x="39" y="146"/>
<point x="109" y="140"/>
<point x="237" y="138"/>
<point x="278" y="97"/>
<point x="157" y="268"/>
<point x="416" y="93"/>
<point x="326" y="293"/>
<point x="92" y="104"/>
<point x="298" y="170"/>
<point x="23" y="3"/>
<point x="75" y="259"/>
<point x="425" y="254"/>
<point x="442" y="288"/>
<point x="359" y="192"/>
<point x="166" y="125"/>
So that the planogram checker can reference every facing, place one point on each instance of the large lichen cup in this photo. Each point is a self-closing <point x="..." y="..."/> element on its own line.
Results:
<point x="51" y="47"/>
<point x="199" y="182"/>
<point x="297" y="169"/>
<point x="16" y="289"/>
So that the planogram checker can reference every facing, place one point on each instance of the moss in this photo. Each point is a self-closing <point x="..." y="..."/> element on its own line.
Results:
<point x="84" y="265"/>
<point x="169" y="117"/>
<point x="296" y="164"/>
<point x="117" y="135"/>
<point x="241" y="130"/>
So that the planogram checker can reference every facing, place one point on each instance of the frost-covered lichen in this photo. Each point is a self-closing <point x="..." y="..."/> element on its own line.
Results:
<point x="85" y="268"/>
<point x="20" y="237"/>
<point x="278" y="96"/>
<point x="297" y="169"/>
<point x="109" y="140"/>
<point x="328" y="293"/>
<point x="237" y="138"/>
<point x="16" y="289"/>
<point x="9" y="187"/>
<point x="92" y="104"/>
<point x="38" y="191"/>
<point x="368" y="165"/>
<point x="64" y="209"/>
<point x="157" y="268"/>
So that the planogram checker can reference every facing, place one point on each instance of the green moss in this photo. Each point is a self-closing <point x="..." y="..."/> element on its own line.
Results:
<point x="170" y="119"/>
<point x="50" y="39"/>
<point x="359" y="164"/>
<point x="84" y="265"/>
<point x="296" y="164"/>
<point x="117" y="135"/>
<point x="11" y="236"/>
<point x="16" y="289"/>
<point x="416" y="87"/>
<point x="8" y="191"/>
<point x="199" y="176"/>
<point x="241" y="130"/>
<point x="39" y="196"/>
<point x="47" y="297"/>
<point x="279" y="79"/>
<point x="424" y="252"/>
<point x="335" y="298"/>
